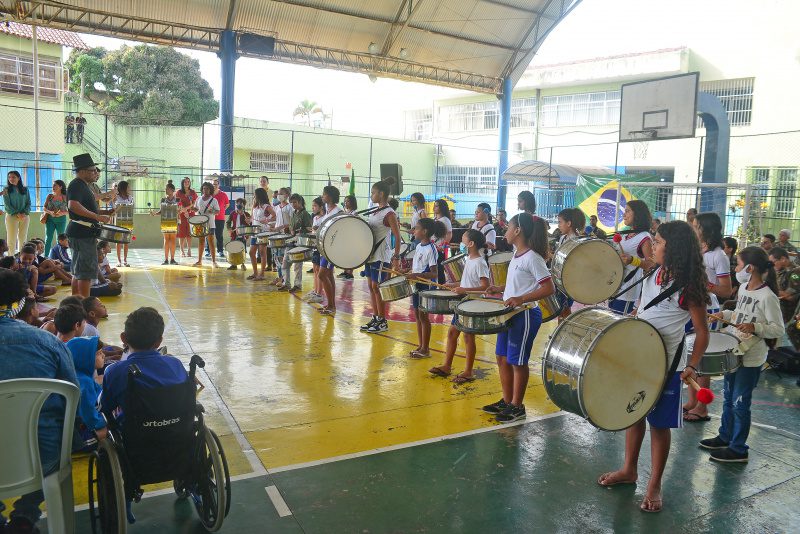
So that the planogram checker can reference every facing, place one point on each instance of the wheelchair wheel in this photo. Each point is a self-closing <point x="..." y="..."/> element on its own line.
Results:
<point x="227" y="473"/>
<point x="211" y="489"/>
<point x="106" y="491"/>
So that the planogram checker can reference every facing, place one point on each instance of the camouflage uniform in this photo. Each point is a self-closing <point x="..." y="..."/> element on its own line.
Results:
<point x="789" y="280"/>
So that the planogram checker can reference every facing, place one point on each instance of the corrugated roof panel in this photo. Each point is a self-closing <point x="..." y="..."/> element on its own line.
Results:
<point x="46" y="35"/>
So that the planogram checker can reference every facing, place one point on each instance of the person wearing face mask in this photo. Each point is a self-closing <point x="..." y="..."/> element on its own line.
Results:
<point x="483" y="224"/>
<point x="283" y="215"/>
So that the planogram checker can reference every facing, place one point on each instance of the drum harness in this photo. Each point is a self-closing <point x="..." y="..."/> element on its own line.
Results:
<point x="370" y="211"/>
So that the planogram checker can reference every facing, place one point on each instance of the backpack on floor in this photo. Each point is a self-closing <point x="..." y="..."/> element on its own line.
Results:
<point x="784" y="360"/>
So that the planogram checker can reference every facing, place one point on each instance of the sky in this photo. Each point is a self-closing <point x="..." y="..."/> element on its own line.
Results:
<point x="271" y="90"/>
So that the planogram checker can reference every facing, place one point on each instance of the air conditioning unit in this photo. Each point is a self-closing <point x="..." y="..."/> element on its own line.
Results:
<point x="517" y="148"/>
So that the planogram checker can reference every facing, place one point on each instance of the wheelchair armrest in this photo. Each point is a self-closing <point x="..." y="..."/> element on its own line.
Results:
<point x="194" y="363"/>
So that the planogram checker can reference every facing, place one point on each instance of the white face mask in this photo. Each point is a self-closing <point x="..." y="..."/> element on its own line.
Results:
<point x="282" y="198"/>
<point x="743" y="276"/>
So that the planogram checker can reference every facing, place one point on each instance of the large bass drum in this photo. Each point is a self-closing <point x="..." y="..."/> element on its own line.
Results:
<point x="345" y="240"/>
<point x="587" y="270"/>
<point x="606" y="367"/>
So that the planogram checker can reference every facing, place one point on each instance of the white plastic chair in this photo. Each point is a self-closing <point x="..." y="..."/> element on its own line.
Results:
<point x="21" y="401"/>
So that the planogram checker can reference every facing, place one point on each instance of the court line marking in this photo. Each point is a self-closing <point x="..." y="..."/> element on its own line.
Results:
<point x="277" y="501"/>
<point x="246" y="447"/>
<point x="408" y="445"/>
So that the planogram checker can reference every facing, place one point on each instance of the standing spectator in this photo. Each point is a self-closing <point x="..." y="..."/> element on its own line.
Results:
<point x="18" y="209"/>
<point x="767" y="242"/>
<point x="501" y="224"/>
<point x="69" y="122"/>
<point x="219" y="218"/>
<point x="80" y="124"/>
<point x="264" y="183"/>
<point x="453" y="221"/>
<point x="593" y="230"/>
<point x="83" y="212"/>
<point x="55" y="209"/>
<point x="788" y="284"/>
<point x="783" y="241"/>
<point x="729" y="247"/>
<point x="691" y="213"/>
<point x="187" y="197"/>
<point x="27" y="352"/>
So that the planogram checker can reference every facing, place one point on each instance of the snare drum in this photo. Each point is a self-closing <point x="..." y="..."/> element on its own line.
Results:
<point x="169" y="218"/>
<point x="114" y="234"/>
<point x="123" y="216"/>
<point x="552" y="306"/>
<point x="247" y="231"/>
<point x="482" y="316"/>
<point x="307" y="240"/>
<point x="263" y="237"/>
<point x="405" y="262"/>
<point x="719" y="357"/>
<point x="395" y="288"/>
<point x="498" y="267"/>
<point x="587" y="270"/>
<point x="440" y="301"/>
<point x="300" y="254"/>
<point x="235" y="252"/>
<point x="279" y="240"/>
<point x="454" y="267"/>
<point x="606" y="367"/>
<point x="345" y="240"/>
<point x="199" y="225"/>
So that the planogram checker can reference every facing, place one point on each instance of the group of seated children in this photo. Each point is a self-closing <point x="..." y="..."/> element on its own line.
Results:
<point x="36" y="268"/>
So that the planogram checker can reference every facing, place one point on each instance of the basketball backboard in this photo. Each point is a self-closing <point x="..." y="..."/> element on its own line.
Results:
<point x="664" y="108"/>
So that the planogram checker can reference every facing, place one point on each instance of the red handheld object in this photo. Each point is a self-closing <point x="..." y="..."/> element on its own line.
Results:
<point x="617" y="238"/>
<point x="704" y="395"/>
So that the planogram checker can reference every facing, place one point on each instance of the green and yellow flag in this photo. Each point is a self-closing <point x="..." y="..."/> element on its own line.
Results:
<point x="597" y="195"/>
<point x="352" y="190"/>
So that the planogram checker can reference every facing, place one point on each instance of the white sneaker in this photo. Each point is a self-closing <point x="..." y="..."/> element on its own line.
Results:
<point x="316" y="299"/>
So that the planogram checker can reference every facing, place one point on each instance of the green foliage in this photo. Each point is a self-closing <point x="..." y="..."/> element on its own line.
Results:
<point x="305" y="109"/>
<point x="146" y="85"/>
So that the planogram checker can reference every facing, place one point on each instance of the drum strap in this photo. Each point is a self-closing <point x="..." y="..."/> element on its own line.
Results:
<point x="636" y="283"/>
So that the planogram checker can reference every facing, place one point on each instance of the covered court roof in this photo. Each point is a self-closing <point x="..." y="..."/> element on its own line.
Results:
<point x="465" y="44"/>
<point x="541" y="171"/>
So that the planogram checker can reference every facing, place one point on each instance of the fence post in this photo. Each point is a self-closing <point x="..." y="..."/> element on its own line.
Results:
<point x="436" y="174"/>
<point x="369" y="177"/>
<point x="202" y="150"/>
<point x="616" y="207"/>
<point x="291" y="162"/>
<point x="746" y="214"/>
<point x="105" y="151"/>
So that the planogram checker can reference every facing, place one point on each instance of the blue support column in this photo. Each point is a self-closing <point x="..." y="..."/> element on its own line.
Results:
<point x="505" y="130"/>
<point x="715" y="154"/>
<point x="228" y="57"/>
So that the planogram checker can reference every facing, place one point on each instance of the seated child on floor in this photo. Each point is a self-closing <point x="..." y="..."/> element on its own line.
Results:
<point x="101" y="286"/>
<point x="24" y="265"/>
<point x="48" y="268"/>
<point x="48" y="324"/>
<point x="60" y="252"/>
<point x="96" y="310"/>
<point x="111" y="273"/>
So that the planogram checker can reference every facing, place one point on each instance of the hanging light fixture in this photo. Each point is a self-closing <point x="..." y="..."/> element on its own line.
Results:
<point x="373" y="48"/>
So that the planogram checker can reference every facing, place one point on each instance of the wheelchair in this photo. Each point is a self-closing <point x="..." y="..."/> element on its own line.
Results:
<point x="163" y="438"/>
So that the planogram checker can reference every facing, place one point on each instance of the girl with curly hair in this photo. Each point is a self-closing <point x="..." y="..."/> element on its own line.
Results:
<point x="681" y="272"/>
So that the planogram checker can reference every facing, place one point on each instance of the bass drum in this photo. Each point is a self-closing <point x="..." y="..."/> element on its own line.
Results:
<point x="605" y="367"/>
<point x="587" y="270"/>
<point x="345" y="240"/>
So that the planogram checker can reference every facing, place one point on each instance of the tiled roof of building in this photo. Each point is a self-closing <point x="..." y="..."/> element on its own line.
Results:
<point x="46" y="35"/>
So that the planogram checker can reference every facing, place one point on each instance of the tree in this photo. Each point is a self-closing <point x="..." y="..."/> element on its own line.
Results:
<point x="90" y="64"/>
<point x="305" y="109"/>
<point x="148" y="85"/>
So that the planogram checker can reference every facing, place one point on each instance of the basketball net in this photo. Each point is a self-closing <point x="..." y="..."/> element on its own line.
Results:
<point x="641" y="144"/>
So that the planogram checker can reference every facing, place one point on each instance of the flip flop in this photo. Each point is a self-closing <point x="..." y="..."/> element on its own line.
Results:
<point x="327" y="311"/>
<point x="617" y="483"/>
<point x="438" y="371"/>
<point x="646" y="505"/>
<point x="690" y="417"/>
<point x="461" y="379"/>
<point x="252" y="277"/>
<point x="419" y="355"/>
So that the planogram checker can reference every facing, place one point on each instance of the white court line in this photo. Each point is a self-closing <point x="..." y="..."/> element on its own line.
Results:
<point x="246" y="447"/>
<point x="410" y="444"/>
<point x="277" y="501"/>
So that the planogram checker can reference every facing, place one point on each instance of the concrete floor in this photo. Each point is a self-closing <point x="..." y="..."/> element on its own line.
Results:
<point x="357" y="437"/>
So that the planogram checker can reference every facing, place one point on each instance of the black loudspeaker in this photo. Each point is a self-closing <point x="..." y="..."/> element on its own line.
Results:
<point x="257" y="45"/>
<point x="395" y="170"/>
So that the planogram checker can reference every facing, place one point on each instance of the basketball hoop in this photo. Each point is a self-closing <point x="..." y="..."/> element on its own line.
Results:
<point x="640" y="145"/>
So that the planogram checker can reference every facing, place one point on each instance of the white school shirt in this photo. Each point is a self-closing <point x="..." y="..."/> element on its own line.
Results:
<point x="283" y="214"/>
<point x="381" y="235"/>
<point x="425" y="257"/>
<point x="474" y="270"/>
<point x="526" y="273"/>
<point x="329" y="214"/>
<point x="260" y="218"/>
<point x="448" y="228"/>
<point x="315" y="221"/>
<point x="206" y="207"/>
<point x="415" y="217"/>
<point x="487" y="230"/>
<point x="632" y="245"/>
<point x="668" y="317"/>
<point x="89" y="330"/>
<point x="762" y="308"/>
<point x="717" y="266"/>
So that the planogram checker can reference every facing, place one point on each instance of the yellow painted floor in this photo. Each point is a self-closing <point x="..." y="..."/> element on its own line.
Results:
<point x="301" y="387"/>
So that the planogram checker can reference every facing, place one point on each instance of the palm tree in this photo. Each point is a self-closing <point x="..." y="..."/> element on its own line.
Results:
<point x="306" y="109"/>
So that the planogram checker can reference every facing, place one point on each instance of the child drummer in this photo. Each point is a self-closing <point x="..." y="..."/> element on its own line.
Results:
<point x="170" y="235"/>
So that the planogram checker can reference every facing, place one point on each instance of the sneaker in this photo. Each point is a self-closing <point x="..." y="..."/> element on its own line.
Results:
<point x="511" y="413"/>
<point x="365" y="327"/>
<point x="173" y="262"/>
<point x="165" y="262"/>
<point x="496" y="407"/>
<point x="380" y="326"/>
<point x="310" y="271"/>
<point x="232" y="268"/>
<point x="341" y="276"/>
<point x="244" y="267"/>
<point x="295" y="289"/>
<point x="727" y="455"/>
<point x="348" y="276"/>
<point x="208" y="255"/>
<point x="316" y="299"/>
<point x="713" y="444"/>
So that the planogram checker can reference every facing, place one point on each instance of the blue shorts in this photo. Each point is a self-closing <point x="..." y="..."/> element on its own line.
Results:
<point x="315" y="258"/>
<point x="621" y="306"/>
<point x="376" y="271"/>
<point x="668" y="411"/>
<point x="324" y="263"/>
<point x="44" y="277"/>
<point x="253" y="241"/>
<point x="39" y="288"/>
<point x="415" y="296"/>
<point x="516" y="343"/>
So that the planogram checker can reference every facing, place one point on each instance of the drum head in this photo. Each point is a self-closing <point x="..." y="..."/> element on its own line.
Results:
<point x="457" y="257"/>
<point x="346" y="241"/>
<point x="592" y="272"/>
<point x="299" y="250"/>
<point x="440" y="293"/>
<point x="501" y="257"/>
<point x="234" y="246"/>
<point x="481" y="307"/>
<point x="623" y="374"/>
<point x="198" y="219"/>
<point x="717" y="342"/>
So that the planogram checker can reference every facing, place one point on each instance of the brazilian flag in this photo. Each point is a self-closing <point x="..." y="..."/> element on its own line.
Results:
<point x="597" y="195"/>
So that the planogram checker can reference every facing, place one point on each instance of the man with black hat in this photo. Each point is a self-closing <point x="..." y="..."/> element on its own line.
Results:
<point x="83" y="212"/>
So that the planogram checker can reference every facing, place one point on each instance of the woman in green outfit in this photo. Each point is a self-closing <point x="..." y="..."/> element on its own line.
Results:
<point x="55" y="206"/>
<point x="18" y="209"/>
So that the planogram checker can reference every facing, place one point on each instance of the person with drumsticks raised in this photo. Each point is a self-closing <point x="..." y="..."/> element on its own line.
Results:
<point x="636" y="253"/>
<point x="475" y="278"/>
<point x="674" y="294"/>
<point x="528" y="280"/>
<point x="384" y="224"/>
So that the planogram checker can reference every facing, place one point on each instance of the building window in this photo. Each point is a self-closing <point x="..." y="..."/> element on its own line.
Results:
<point x="736" y="97"/>
<point x="467" y="179"/>
<point x="582" y="109"/>
<point x="419" y="124"/>
<point x="269" y="162"/>
<point x="786" y="192"/>
<point x="16" y="76"/>
<point x="486" y="115"/>
<point x="523" y="113"/>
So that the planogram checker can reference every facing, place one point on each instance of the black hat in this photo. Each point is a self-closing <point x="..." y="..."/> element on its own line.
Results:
<point x="82" y="161"/>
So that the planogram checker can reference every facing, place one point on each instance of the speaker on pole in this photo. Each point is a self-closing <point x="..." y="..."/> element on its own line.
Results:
<point x="395" y="170"/>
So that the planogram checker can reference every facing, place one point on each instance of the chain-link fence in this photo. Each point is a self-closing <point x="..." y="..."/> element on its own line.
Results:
<point x="306" y="159"/>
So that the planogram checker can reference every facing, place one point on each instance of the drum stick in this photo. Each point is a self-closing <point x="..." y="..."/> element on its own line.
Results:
<point x="723" y="321"/>
<point x="704" y="395"/>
